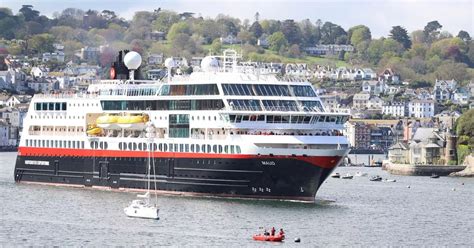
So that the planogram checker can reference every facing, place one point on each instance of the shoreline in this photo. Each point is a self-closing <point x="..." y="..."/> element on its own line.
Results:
<point x="9" y="149"/>
<point x="421" y="170"/>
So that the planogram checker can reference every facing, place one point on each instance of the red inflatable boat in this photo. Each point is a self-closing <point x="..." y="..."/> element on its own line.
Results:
<point x="275" y="238"/>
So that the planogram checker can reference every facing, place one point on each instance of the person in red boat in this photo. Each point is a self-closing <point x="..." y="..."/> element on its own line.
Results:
<point x="273" y="231"/>
<point x="281" y="233"/>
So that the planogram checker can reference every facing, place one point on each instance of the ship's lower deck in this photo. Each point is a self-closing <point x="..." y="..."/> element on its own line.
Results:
<point x="272" y="177"/>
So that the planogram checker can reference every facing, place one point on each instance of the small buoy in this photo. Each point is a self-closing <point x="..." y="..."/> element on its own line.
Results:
<point x="297" y="240"/>
<point x="408" y="186"/>
<point x="454" y="189"/>
<point x="462" y="183"/>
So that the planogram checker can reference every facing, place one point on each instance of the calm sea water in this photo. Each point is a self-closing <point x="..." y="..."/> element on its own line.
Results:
<point x="347" y="213"/>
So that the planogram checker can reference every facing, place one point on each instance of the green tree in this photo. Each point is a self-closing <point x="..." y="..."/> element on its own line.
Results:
<point x="63" y="33"/>
<point x="291" y="31"/>
<point x="163" y="20"/>
<point x="359" y="34"/>
<point x="178" y="28"/>
<point x="449" y="48"/>
<point x="41" y="43"/>
<point x="309" y="33"/>
<point x="277" y="41"/>
<point x="375" y="51"/>
<point x="9" y="26"/>
<point x="15" y="49"/>
<point x="452" y="70"/>
<point x="216" y="46"/>
<point x="465" y="132"/>
<point x="400" y="34"/>
<point x="256" y="29"/>
<point x="417" y="36"/>
<point x="28" y="13"/>
<point x="391" y="45"/>
<point x="463" y="35"/>
<point x="294" y="51"/>
<point x="331" y="33"/>
<point x="246" y="37"/>
<point x="270" y="26"/>
<point x="5" y="12"/>
<point x="432" y="30"/>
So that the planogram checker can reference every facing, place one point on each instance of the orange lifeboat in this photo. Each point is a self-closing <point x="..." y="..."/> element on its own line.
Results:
<point x="274" y="238"/>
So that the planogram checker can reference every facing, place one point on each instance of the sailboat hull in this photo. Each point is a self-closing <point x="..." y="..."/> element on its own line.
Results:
<point x="145" y="212"/>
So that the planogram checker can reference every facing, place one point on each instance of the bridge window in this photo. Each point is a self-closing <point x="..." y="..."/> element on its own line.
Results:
<point x="189" y="90"/>
<point x="238" y="89"/>
<point x="302" y="90"/>
<point x="313" y="106"/>
<point x="249" y="105"/>
<point x="280" y="105"/>
<point x="272" y="90"/>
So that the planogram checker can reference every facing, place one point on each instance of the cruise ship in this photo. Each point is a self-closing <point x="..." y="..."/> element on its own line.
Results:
<point x="225" y="130"/>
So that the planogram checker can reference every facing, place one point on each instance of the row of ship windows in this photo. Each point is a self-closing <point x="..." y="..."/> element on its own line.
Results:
<point x="164" y="147"/>
<point x="55" y="117"/>
<point x="60" y="106"/>
<point x="294" y="119"/>
<point x="83" y="104"/>
<point x="268" y="90"/>
<point x="50" y="106"/>
<point x="55" y="143"/>
<point x="132" y="146"/>
<point x="211" y="89"/>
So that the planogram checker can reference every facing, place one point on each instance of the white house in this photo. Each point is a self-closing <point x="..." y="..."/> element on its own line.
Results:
<point x="369" y="74"/>
<point x="389" y="76"/>
<point x="360" y="100"/>
<point x="263" y="41"/>
<point x="397" y="109"/>
<point x="43" y="85"/>
<point x="423" y="94"/>
<point x="229" y="40"/>
<point x="443" y="90"/>
<point x="461" y="96"/>
<point x="155" y="59"/>
<point x="391" y="89"/>
<point x="38" y="72"/>
<point x="4" y="133"/>
<point x="373" y="87"/>
<point x="331" y="101"/>
<point x="297" y="70"/>
<point x="6" y="79"/>
<point x="375" y="103"/>
<point x="421" y="108"/>
<point x="59" y="56"/>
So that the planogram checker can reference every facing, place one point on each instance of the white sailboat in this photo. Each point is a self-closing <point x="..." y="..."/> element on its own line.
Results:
<point x="143" y="207"/>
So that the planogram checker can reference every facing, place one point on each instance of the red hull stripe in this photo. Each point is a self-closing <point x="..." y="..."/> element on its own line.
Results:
<point x="320" y="161"/>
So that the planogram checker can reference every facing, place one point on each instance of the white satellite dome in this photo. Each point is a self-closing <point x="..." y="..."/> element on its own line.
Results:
<point x="170" y="63"/>
<point x="132" y="60"/>
<point x="209" y="63"/>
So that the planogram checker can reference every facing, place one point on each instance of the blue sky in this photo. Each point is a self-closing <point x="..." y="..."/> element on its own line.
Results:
<point x="378" y="15"/>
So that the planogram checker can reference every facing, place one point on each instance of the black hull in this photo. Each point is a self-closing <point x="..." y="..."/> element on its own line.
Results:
<point x="279" y="178"/>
